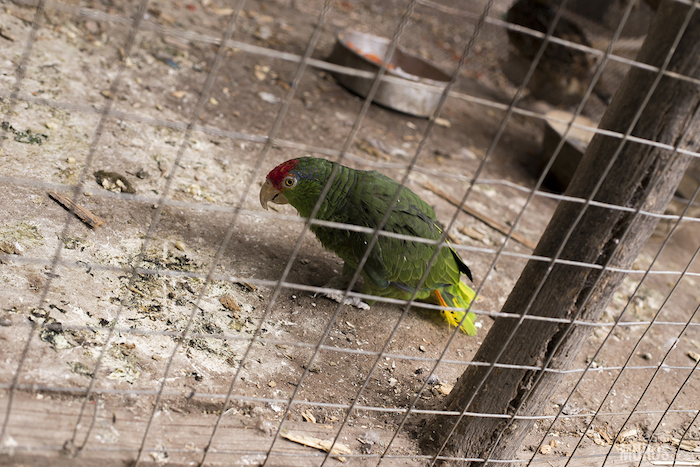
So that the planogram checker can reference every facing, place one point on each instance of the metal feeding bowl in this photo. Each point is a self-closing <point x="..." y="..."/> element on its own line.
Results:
<point x="416" y="92"/>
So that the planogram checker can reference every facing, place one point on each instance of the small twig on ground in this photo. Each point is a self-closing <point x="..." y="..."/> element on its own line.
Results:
<point x="83" y="214"/>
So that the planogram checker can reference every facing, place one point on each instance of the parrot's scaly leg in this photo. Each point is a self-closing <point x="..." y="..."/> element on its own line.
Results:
<point x="438" y="298"/>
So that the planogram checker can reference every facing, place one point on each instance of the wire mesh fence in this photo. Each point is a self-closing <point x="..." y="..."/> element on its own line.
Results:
<point x="181" y="323"/>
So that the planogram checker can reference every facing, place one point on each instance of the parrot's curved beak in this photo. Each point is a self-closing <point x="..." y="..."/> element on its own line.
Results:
<point x="269" y="193"/>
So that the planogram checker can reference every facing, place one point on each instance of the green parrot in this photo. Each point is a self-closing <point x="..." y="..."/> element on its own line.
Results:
<point x="394" y="267"/>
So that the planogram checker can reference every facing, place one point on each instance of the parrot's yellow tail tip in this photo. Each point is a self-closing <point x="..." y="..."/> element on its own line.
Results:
<point x="455" y="317"/>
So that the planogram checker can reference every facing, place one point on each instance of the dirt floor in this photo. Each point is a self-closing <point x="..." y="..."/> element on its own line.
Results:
<point x="69" y="284"/>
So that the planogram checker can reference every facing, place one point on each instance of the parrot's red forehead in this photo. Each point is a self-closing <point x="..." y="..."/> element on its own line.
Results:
<point x="277" y="174"/>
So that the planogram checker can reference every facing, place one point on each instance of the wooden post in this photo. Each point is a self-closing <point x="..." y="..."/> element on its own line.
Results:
<point x="641" y="176"/>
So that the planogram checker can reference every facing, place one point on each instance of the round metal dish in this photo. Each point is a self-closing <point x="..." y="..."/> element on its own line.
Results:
<point x="419" y="89"/>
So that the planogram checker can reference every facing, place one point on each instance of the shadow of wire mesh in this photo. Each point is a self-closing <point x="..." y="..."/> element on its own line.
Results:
<point x="190" y="328"/>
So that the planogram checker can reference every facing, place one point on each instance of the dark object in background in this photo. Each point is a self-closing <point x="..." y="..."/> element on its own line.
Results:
<point x="563" y="73"/>
<point x="571" y="152"/>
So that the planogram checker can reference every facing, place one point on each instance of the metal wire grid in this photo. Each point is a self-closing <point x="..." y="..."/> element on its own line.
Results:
<point x="106" y="112"/>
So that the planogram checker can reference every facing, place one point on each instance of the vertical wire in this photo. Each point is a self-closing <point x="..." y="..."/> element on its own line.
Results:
<point x="577" y="220"/>
<point x="442" y="241"/>
<point x="424" y="139"/>
<point x="203" y="98"/>
<point x="21" y="70"/>
<point x="303" y="64"/>
<point x="356" y="126"/>
<point x="658" y="369"/>
<point x="678" y="393"/>
<point x="571" y="325"/>
<point x="618" y="320"/>
<point x="531" y="196"/>
<point x="569" y="328"/>
<point x="70" y="448"/>
<point x="269" y="142"/>
<point x="19" y="78"/>
<point x="77" y="190"/>
<point x="660" y="364"/>
<point x="579" y="109"/>
<point x="659" y="75"/>
<point x="687" y="430"/>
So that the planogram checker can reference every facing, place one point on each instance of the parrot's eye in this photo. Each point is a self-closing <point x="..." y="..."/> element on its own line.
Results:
<point x="289" y="182"/>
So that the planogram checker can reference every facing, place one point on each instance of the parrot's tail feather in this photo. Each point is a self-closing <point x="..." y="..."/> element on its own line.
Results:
<point x="458" y="296"/>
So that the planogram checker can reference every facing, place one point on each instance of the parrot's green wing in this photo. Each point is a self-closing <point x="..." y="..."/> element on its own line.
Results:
<point x="395" y="266"/>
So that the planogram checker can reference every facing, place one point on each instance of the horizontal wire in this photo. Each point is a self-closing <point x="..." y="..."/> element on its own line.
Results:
<point x="356" y="228"/>
<point x="317" y="289"/>
<point x="347" y="350"/>
<point x="77" y="390"/>
<point x="100" y="16"/>
<point x="561" y="41"/>
<point x="236" y="135"/>
<point x="101" y="193"/>
<point x="265" y="282"/>
<point x="272" y="53"/>
<point x="243" y="452"/>
<point x="305" y="455"/>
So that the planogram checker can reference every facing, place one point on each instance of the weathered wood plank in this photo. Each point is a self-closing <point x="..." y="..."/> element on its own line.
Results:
<point x="40" y="427"/>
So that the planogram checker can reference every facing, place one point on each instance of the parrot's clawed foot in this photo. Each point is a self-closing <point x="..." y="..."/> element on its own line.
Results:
<point x="340" y="283"/>
<point x="352" y="301"/>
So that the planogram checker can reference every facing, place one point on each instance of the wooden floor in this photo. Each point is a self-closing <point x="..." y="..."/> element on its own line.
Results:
<point x="40" y="427"/>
